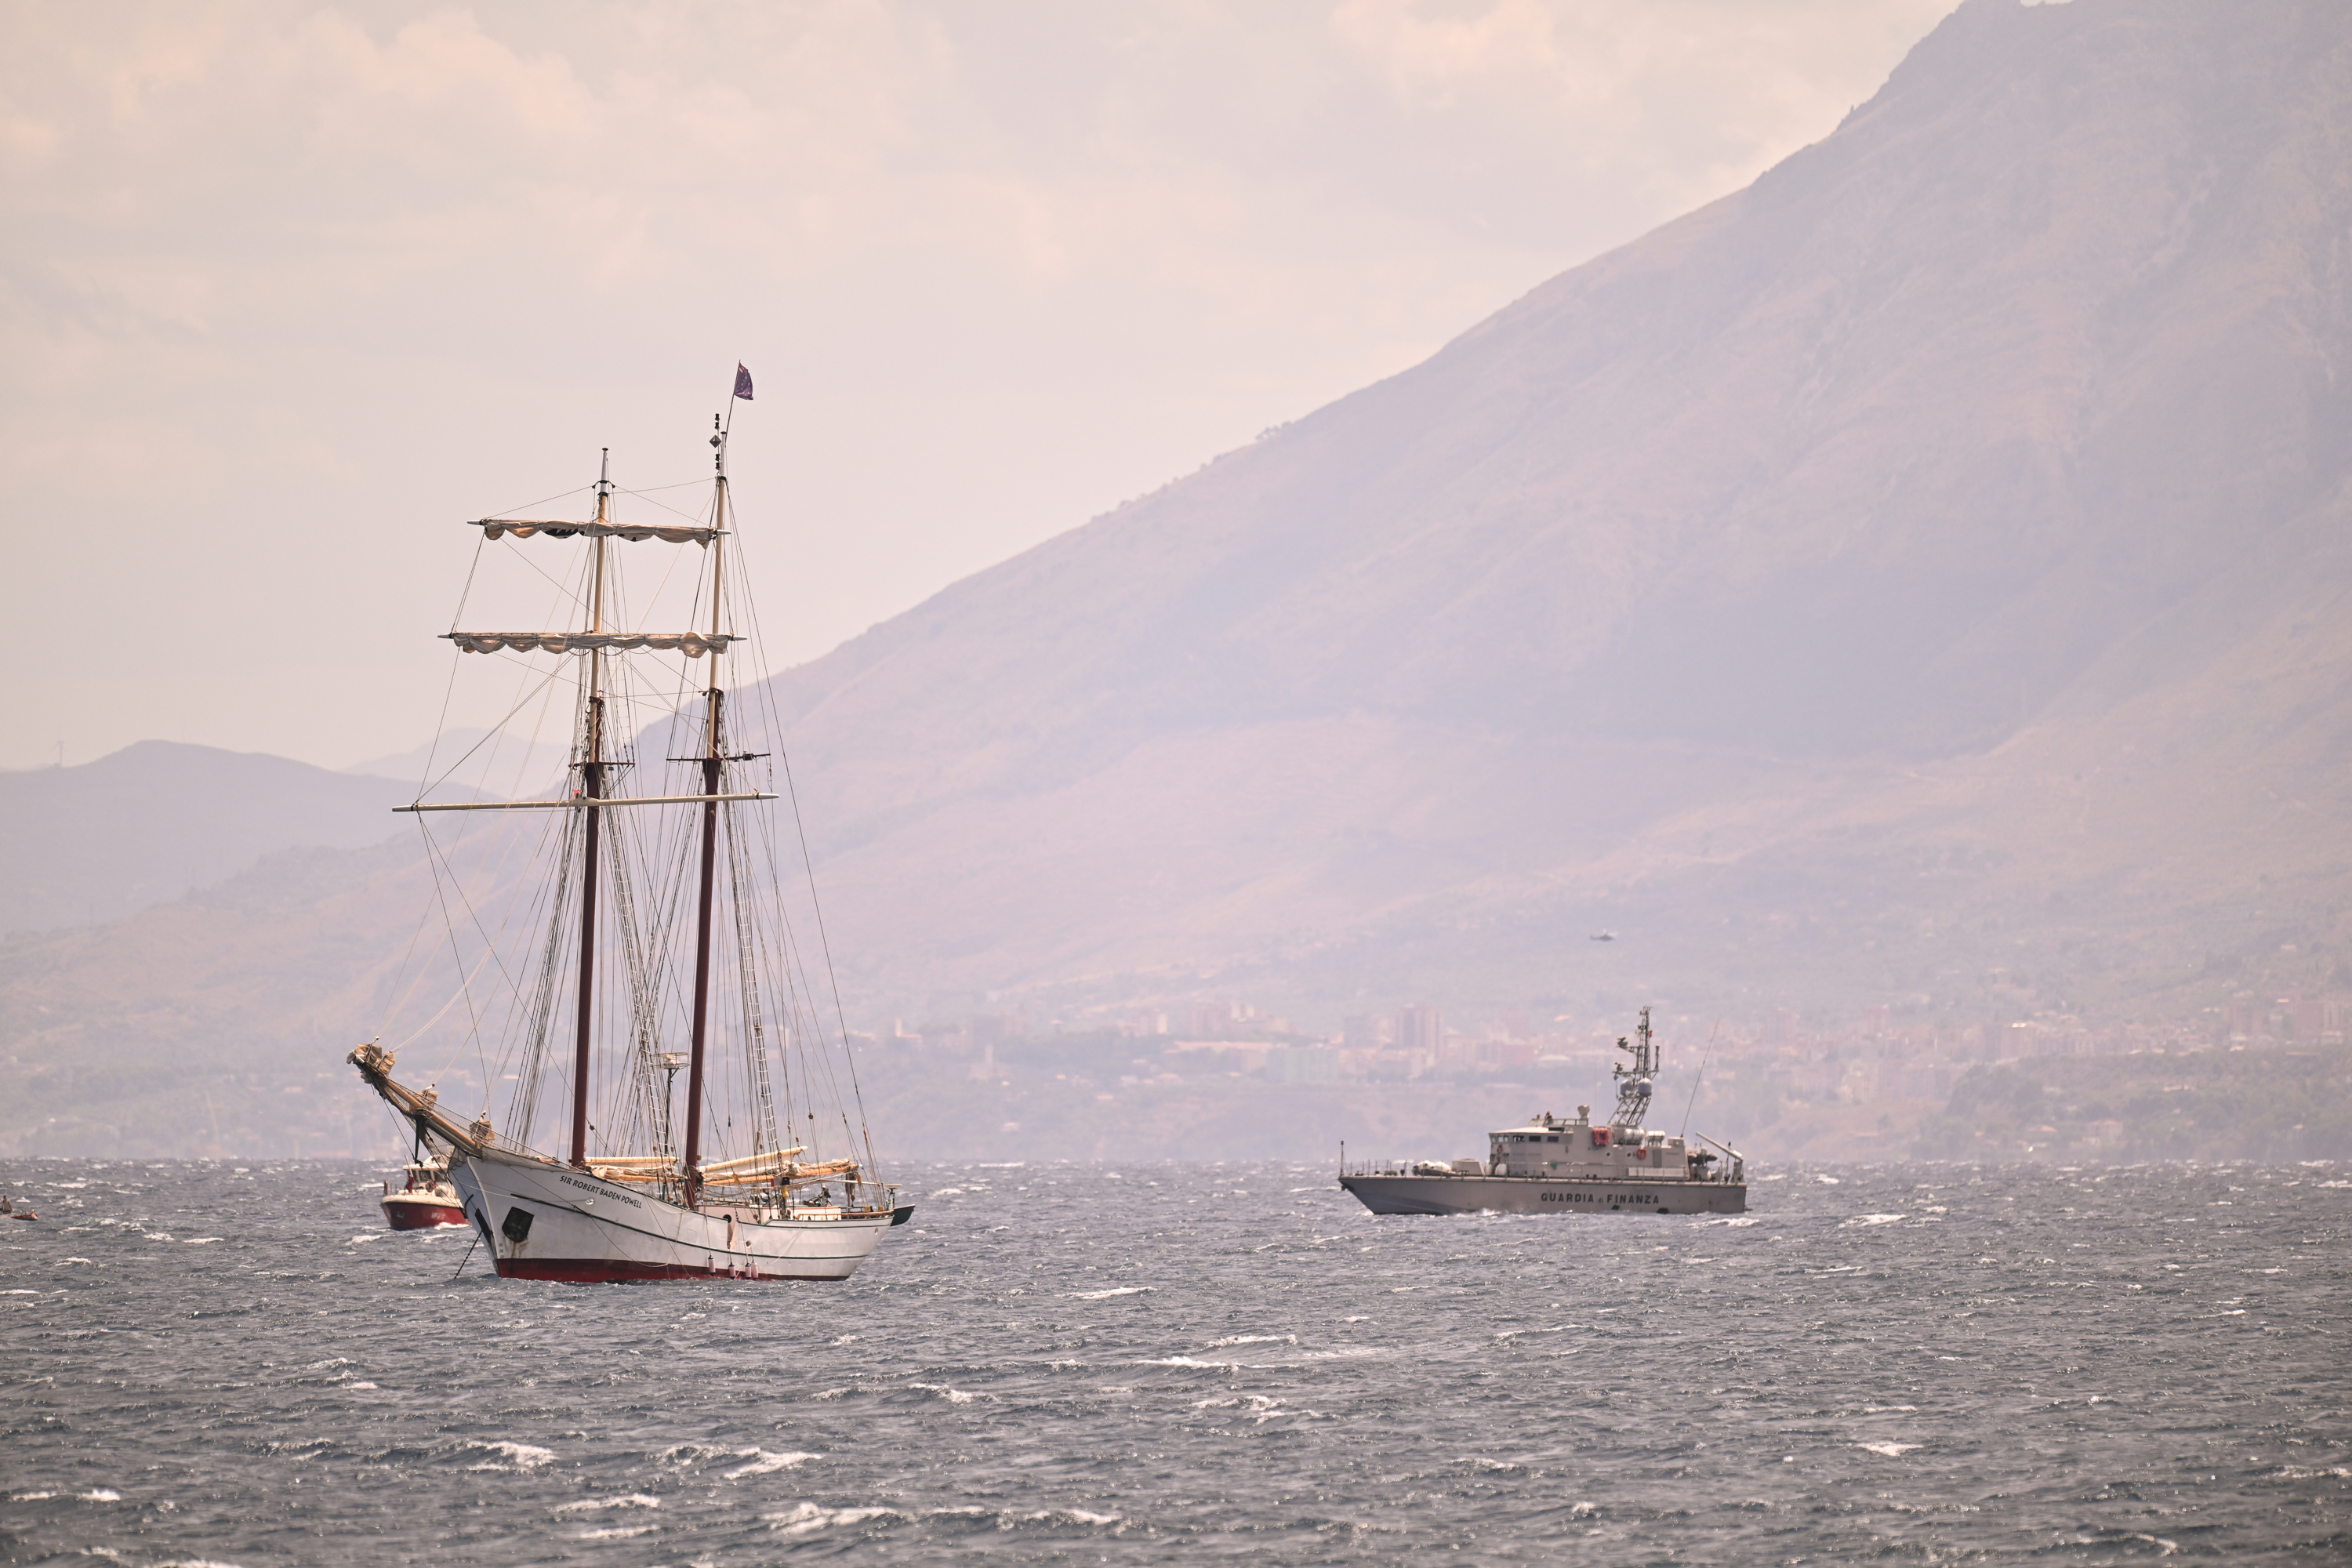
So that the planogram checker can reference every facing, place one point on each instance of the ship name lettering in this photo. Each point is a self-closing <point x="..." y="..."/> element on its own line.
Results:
<point x="600" y="1192"/>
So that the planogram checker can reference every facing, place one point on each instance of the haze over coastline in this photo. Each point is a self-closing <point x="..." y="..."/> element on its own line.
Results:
<point x="1901" y="603"/>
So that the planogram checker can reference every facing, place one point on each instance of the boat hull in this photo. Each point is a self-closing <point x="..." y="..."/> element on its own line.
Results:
<point x="1543" y="1194"/>
<point x="552" y="1222"/>
<point x="417" y="1211"/>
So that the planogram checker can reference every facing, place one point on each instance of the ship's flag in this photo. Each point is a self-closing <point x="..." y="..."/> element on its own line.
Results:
<point x="743" y="383"/>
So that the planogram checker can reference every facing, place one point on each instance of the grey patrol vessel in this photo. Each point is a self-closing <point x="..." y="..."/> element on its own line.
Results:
<point x="1553" y="1165"/>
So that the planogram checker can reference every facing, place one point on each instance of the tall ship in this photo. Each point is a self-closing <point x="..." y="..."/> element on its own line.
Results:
<point x="651" y="935"/>
<point x="1556" y="1165"/>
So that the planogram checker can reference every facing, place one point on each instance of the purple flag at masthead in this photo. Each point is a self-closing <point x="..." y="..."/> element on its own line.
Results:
<point x="743" y="383"/>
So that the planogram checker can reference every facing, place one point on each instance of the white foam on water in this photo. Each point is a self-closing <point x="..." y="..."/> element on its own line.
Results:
<point x="616" y="1533"/>
<point x="1826" y="1181"/>
<point x="1889" y="1409"/>
<point x="323" y="1365"/>
<point x="948" y="1192"/>
<point x="1874" y="1219"/>
<point x="1583" y="1511"/>
<point x="1256" y="1339"/>
<point x="1107" y="1295"/>
<point x="360" y="1386"/>
<point x="807" y="1518"/>
<point x="764" y="1463"/>
<point x="193" y="1562"/>
<point x="19" y="1293"/>
<point x="691" y="1453"/>
<point x="520" y="1456"/>
<point x="1187" y="1361"/>
<point x="1892" y="1450"/>
<point x="201" y="1240"/>
<point x="62" y="1262"/>
<point x="952" y="1396"/>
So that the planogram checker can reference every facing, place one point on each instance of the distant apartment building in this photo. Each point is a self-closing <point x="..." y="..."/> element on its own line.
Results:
<point x="1419" y="1028"/>
<point x="1215" y="1020"/>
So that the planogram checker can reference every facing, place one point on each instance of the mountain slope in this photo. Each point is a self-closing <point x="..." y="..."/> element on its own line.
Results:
<point x="2016" y="401"/>
<point x="97" y="840"/>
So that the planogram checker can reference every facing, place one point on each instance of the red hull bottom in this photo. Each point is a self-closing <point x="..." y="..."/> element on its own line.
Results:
<point x="422" y="1217"/>
<point x="616" y="1271"/>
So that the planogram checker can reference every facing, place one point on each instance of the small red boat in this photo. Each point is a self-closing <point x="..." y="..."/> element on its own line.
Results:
<point x="426" y="1201"/>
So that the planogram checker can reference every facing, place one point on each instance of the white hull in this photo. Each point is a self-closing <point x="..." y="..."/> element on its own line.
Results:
<point x="544" y="1221"/>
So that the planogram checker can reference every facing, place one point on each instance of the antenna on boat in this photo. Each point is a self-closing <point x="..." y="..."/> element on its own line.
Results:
<point x="1634" y="1082"/>
<point x="1703" y="1060"/>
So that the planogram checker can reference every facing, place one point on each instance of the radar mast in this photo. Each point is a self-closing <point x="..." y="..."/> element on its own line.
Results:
<point x="1634" y="1082"/>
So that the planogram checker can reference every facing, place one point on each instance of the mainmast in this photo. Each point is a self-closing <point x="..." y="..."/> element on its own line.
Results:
<point x="591" y="786"/>
<point x="712" y="757"/>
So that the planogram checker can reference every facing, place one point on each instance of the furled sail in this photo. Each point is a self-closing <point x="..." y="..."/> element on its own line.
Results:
<point x="694" y="645"/>
<point x="637" y="532"/>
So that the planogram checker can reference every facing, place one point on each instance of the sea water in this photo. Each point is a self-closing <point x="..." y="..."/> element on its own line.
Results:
<point x="205" y="1363"/>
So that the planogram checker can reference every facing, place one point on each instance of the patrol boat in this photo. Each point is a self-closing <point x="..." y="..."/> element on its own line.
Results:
<point x="1553" y="1165"/>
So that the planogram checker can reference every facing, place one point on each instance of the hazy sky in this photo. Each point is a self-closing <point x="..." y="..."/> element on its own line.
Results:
<point x="287" y="290"/>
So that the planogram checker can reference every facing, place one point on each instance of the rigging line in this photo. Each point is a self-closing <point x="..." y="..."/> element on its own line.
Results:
<point x="523" y="555"/>
<point x="415" y="937"/>
<point x="491" y="945"/>
<point x="440" y="725"/>
<point x="428" y="1023"/>
<point x="824" y="946"/>
<point x="476" y="918"/>
<point x="1698" y="1079"/>
<point x="543" y="681"/>
<point x="467" y="591"/>
<point x="465" y="981"/>
<point x="646" y="496"/>
<point x="560" y="495"/>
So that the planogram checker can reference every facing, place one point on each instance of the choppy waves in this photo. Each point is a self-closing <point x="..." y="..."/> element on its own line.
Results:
<point x="1239" y="1365"/>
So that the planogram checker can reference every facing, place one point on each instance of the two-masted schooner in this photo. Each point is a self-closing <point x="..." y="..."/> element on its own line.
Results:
<point x="761" y="1174"/>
